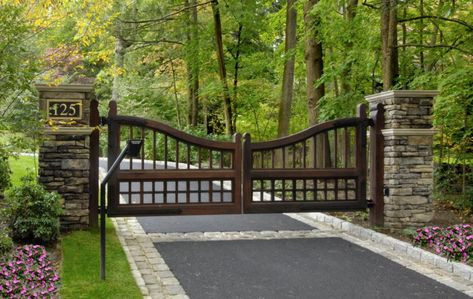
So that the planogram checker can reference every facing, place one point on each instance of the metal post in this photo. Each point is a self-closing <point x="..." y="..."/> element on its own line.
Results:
<point x="132" y="149"/>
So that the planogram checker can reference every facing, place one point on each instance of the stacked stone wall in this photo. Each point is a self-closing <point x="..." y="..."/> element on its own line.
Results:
<point x="408" y="163"/>
<point x="64" y="167"/>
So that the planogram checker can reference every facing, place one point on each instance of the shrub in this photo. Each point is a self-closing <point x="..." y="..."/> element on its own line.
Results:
<point x="33" y="212"/>
<point x="455" y="242"/>
<point x="4" y="170"/>
<point x="6" y="243"/>
<point x="29" y="274"/>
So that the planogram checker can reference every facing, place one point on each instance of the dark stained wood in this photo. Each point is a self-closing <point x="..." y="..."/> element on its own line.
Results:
<point x="361" y="163"/>
<point x="113" y="152"/>
<point x="94" y="164"/>
<point x="377" y="166"/>
<point x="175" y="174"/>
<point x="246" y="164"/>
<point x="178" y="135"/>
<point x="173" y="200"/>
<point x="285" y="176"/>
<point x="237" y="167"/>
<point x="292" y="172"/>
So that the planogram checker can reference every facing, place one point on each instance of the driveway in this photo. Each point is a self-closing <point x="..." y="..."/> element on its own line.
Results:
<point x="280" y="256"/>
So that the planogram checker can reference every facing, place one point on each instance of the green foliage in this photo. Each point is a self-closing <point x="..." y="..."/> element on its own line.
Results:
<point x="33" y="212"/>
<point x="454" y="143"/>
<point x="6" y="244"/>
<point x="5" y="171"/>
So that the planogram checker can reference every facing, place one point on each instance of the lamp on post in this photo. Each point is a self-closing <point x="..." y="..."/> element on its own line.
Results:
<point x="132" y="149"/>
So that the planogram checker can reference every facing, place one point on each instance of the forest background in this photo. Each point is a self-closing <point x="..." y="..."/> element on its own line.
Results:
<point x="267" y="67"/>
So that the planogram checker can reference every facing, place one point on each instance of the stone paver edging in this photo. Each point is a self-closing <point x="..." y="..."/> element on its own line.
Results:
<point x="150" y="271"/>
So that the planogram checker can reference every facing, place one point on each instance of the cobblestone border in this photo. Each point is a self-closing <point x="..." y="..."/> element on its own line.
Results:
<point x="401" y="252"/>
<point x="149" y="269"/>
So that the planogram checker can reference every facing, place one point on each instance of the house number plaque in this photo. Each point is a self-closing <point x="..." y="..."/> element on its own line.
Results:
<point x="64" y="109"/>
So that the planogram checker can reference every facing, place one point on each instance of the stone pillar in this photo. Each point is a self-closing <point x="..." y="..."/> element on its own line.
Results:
<point x="64" y="156"/>
<point x="408" y="164"/>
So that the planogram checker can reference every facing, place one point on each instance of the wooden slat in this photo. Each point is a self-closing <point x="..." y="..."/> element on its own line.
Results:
<point x="149" y="174"/>
<point x="303" y="173"/>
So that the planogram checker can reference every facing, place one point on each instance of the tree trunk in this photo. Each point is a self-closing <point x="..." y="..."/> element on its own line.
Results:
<point x="176" y="99"/>
<point x="120" y="50"/>
<point x="421" y="35"/>
<point x="314" y="62"/>
<point x="389" y="61"/>
<point x="192" y="35"/>
<point x="345" y="75"/>
<point x="288" y="76"/>
<point x="221" y="68"/>
<point x="235" y="75"/>
<point x="433" y="40"/>
<point x="404" y="50"/>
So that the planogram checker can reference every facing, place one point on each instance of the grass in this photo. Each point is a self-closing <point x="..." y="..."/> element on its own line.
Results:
<point x="20" y="166"/>
<point x="80" y="267"/>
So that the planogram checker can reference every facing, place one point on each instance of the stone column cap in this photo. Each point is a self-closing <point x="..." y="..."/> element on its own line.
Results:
<point x="65" y="87"/>
<point x="408" y="132"/>
<point x="376" y="98"/>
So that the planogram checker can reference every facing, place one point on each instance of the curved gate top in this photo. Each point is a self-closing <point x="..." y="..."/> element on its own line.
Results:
<point x="176" y="173"/>
<point x="321" y="168"/>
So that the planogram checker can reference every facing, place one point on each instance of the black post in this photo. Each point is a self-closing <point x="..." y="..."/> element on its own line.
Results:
<point x="132" y="148"/>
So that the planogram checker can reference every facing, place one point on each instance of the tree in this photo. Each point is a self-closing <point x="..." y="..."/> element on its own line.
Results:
<point x="314" y="62"/>
<point x="288" y="76"/>
<point x="389" y="52"/>
<point x="192" y="61"/>
<point x="222" y="71"/>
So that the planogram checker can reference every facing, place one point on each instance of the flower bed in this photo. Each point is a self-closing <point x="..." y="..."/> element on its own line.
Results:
<point x="454" y="242"/>
<point x="29" y="274"/>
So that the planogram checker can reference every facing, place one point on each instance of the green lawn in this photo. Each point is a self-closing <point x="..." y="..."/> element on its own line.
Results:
<point x="20" y="166"/>
<point x="80" y="267"/>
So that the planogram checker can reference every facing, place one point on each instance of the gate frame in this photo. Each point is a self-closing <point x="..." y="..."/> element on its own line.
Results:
<point x="234" y="174"/>
<point x="361" y="122"/>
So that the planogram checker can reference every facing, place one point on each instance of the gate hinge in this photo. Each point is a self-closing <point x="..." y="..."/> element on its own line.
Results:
<point x="370" y="203"/>
<point x="103" y="121"/>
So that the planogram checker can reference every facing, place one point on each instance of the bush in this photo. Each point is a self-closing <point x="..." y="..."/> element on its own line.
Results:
<point x="4" y="170"/>
<point x="29" y="274"/>
<point x="33" y="213"/>
<point x="6" y="243"/>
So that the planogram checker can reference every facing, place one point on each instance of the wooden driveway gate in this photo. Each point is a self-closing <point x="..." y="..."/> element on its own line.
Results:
<point x="323" y="168"/>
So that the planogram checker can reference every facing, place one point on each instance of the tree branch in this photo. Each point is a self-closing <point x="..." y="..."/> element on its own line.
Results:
<point x="167" y="41"/>
<point x="463" y="23"/>
<point x="365" y="3"/>
<point x="451" y="47"/>
<point x="166" y="17"/>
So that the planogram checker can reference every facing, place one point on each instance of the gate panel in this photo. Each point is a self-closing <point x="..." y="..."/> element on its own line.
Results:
<point x="321" y="168"/>
<point x="176" y="173"/>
